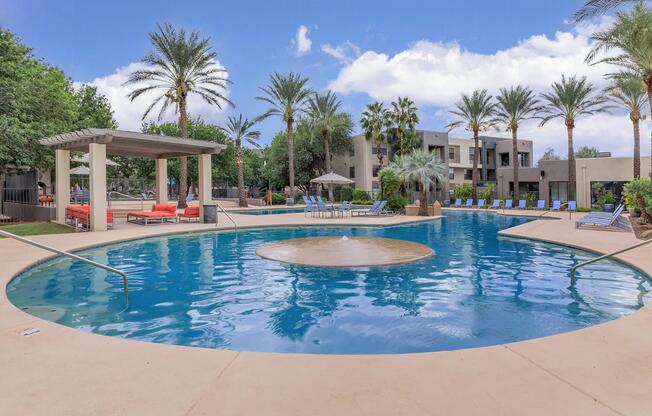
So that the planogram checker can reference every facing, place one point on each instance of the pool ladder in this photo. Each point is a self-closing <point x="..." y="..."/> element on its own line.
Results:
<point x="125" y="280"/>
<point x="235" y="225"/>
<point x="574" y="269"/>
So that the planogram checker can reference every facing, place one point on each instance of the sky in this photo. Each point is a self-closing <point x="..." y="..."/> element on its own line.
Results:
<point x="432" y="51"/>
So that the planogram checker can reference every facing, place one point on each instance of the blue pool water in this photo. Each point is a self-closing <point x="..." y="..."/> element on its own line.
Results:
<point x="268" y="211"/>
<point x="212" y="290"/>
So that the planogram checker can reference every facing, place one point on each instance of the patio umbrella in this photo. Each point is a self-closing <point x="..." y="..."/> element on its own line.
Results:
<point x="84" y="159"/>
<point x="80" y="170"/>
<point x="332" y="178"/>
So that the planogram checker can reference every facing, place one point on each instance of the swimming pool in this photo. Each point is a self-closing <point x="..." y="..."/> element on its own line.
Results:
<point x="212" y="290"/>
<point x="267" y="211"/>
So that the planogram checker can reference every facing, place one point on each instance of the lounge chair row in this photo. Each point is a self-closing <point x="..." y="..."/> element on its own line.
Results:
<point x="162" y="213"/>
<point x="79" y="216"/>
<point x="509" y="204"/>
<point x="606" y="220"/>
<point x="319" y="208"/>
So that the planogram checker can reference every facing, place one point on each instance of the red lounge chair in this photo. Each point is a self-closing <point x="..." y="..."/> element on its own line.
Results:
<point x="190" y="214"/>
<point x="160" y="213"/>
<point x="80" y="215"/>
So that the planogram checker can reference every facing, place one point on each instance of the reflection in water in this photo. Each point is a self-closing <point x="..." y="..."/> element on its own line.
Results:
<point x="212" y="290"/>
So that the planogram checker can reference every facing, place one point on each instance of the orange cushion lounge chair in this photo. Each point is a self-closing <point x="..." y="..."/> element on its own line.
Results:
<point x="190" y="214"/>
<point x="160" y="213"/>
<point x="80" y="215"/>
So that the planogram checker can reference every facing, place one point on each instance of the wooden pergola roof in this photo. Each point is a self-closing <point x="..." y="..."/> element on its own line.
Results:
<point x="129" y="143"/>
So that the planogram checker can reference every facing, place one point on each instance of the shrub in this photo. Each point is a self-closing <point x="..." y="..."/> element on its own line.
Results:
<point x="278" y="199"/>
<point x="462" y="190"/>
<point x="362" y="202"/>
<point x="343" y="192"/>
<point x="640" y="191"/>
<point x="396" y="203"/>
<point x="488" y="192"/>
<point x="530" y="197"/>
<point x="360" y="195"/>
<point x="390" y="182"/>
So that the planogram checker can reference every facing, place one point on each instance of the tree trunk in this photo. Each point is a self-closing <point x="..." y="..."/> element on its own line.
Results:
<point x="401" y="138"/>
<point x="515" y="161"/>
<point x="291" y="156"/>
<point x="379" y="151"/>
<point x="183" y="161"/>
<point x="474" y="172"/>
<point x="242" y="197"/>
<point x="645" y="217"/>
<point x="637" y="144"/>
<point x="327" y="155"/>
<point x="423" y="201"/>
<point x="571" y="162"/>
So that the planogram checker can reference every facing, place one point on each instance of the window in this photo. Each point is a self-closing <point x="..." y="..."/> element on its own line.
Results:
<point x="504" y="159"/>
<point x="352" y="172"/>
<point x="451" y="153"/>
<point x="559" y="191"/>
<point x="451" y="173"/>
<point x="471" y="154"/>
<point x="383" y="149"/>
<point x="376" y="169"/>
<point x="468" y="174"/>
<point x="524" y="159"/>
<point x="352" y="151"/>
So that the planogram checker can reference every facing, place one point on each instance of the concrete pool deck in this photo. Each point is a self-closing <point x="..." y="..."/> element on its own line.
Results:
<point x="51" y="369"/>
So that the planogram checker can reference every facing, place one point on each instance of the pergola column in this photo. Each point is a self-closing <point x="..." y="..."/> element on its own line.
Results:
<point x="97" y="165"/>
<point x="205" y="196"/>
<point x="62" y="176"/>
<point x="161" y="186"/>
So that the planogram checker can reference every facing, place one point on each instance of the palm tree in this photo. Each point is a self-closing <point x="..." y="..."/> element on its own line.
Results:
<point x="629" y="91"/>
<point x="240" y="129"/>
<point x="180" y="65"/>
<point x="404" y="117"/>
<point x="594" y="8"/>
<point x="423" y="167"/>
<point x="287" y="94"/>
<point x="375" y="121"/>
<point x="475" y="113"/>
<point x="324" y="116"/>
<point x="631" y="39"/>
<point x="570" y="99"/>
<point x="515" y="105"/>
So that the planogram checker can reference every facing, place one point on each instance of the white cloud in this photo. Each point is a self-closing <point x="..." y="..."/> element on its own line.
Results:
<point x="129" y="113"/>
<point x="435" y="74"/>
<point x="344" y="53"/>
<point x="301" y="42"/>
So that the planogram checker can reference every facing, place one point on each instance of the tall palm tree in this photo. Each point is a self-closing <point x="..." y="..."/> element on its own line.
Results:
<point x="594" y="8"/>
<point x="179" y="65"/>
<point x="287" y="94"/>
<point x="516" y="105"/>
<point x="324" y="116"/>
<point x="240" y="129"/>
<point x="631" y="39"/>
<point x="404" y="117"/>
<point x="423" y="167"/>
<point x="375" y="121"/>
<point x="476" y="113"/>
<point x="570" y="99"/>
<point x="629" y="92"/>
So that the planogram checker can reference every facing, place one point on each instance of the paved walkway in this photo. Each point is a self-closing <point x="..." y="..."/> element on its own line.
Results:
<point x="602" y="370"/>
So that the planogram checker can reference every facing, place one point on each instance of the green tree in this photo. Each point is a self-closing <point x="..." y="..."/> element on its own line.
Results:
<point x="630" y="38"/>
<point x="640" y="191"/>
<point x="571" y="98"/>
<point x="287" y="94"/>
<point x="37" y="101"/>
<point x="549" y="154"/>
<point x="629" y="92"/>
<point x="404" y="118"/>
<point x="423" y="167"/>
<point x="587" y="152"/>
<point x="516" y="105"/>
<point x="180" y="65"/>
<point x="476" y="113"/>
<point x="594" y="8"/>
<point x="375" y="121"/>
<point x="324" y="116"/>
<point x="240" y="129"/>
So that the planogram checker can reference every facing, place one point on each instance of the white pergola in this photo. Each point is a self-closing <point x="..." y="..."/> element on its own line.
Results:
<point x="99" y="143"/>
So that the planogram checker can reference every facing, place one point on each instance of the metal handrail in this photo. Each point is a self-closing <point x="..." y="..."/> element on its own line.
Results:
<point x="125" y="280"/>
<point x="550" y="210"/>
<point x="574" y="269"/>
<point x="235" y="225"/>
<point x="128" y="196"/>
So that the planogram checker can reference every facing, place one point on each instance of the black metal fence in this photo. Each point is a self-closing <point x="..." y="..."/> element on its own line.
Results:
<point x="25" y="204"/>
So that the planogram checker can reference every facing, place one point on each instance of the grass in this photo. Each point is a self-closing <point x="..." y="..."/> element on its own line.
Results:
<point x="36" y="228"/>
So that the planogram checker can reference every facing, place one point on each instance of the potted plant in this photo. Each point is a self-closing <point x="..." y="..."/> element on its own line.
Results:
<point x="608" y="200"/>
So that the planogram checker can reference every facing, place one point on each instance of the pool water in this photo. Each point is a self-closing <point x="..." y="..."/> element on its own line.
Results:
<point x="212" y="290"/>
<point x="268" y="211"/>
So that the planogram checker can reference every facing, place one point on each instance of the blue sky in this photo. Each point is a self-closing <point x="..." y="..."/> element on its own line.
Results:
<point x="365" y="50"/>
